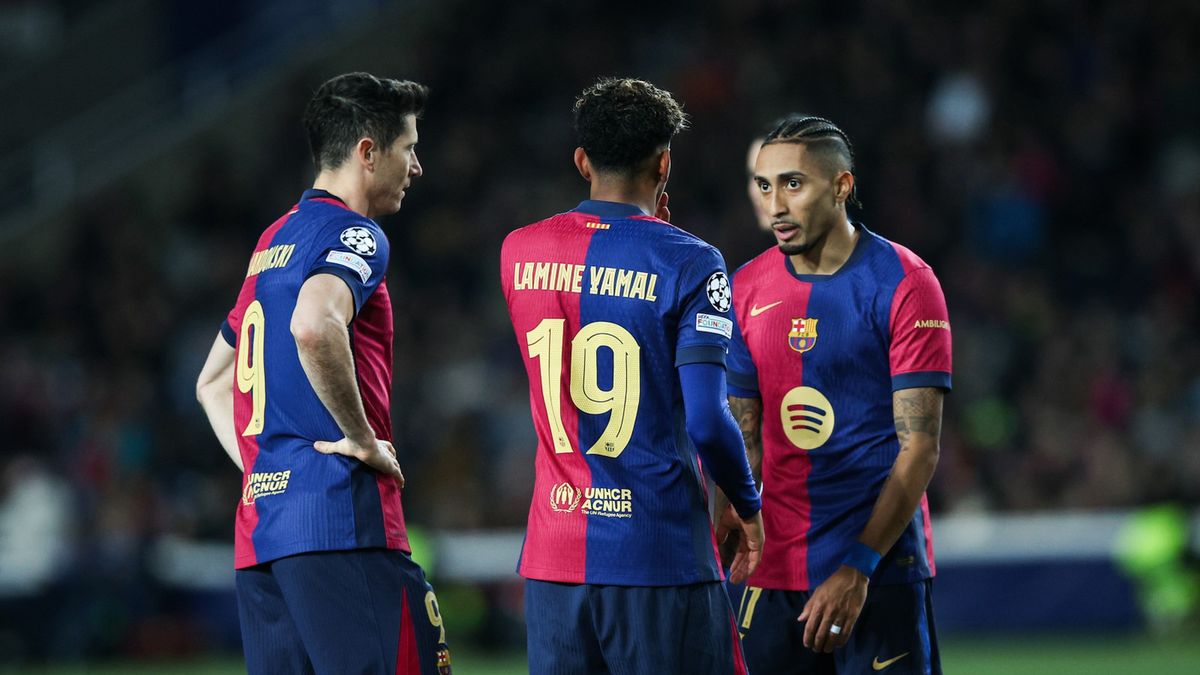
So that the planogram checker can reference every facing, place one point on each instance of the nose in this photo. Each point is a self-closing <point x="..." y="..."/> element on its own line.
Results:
<point x="415" y="170"/>
<point x="775" y="204"/>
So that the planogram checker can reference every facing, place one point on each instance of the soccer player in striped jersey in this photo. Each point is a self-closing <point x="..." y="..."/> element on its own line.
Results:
<point x="837" y="372"/>
<point x="297" y="389"/>
<point x="623" y="322"/>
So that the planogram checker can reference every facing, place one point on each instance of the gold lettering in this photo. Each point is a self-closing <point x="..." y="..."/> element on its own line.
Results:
<point x="526" y="275"/>
<point x="540" y="276"/>
<point x="594" y="278"/>
<point x="607" y="285"/>
<point x="577" y="282"/>
<point x="564" y="277"/>
<point x="639" y="286"/>
<point x="624" y="279"/>
<point x="650" y="291"/>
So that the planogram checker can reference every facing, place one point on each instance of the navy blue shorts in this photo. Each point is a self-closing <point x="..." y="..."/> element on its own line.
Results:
<point x="894" y="634"/>
<point x="577" y="629"/>
<point x="358" y="611"/>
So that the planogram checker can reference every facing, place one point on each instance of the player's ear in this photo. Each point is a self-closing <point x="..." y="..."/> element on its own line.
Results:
<point x="583" y="164"/>
<point x="664" y="166"/>
<point x="843" y="187"/>
<point x="364" y="153"/>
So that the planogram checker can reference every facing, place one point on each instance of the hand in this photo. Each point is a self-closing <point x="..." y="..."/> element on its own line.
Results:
<point x="662" y="212"/>
<point x="379" y="455"/>
<point x="837" y="602"/>
<point x="749" y="550"/>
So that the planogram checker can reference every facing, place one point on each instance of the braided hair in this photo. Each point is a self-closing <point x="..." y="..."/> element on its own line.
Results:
<point x="820" y="136"/>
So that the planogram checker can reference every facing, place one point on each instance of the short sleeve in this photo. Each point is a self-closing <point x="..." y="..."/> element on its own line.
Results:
<point x="742" y="376"/>
<point x="356" y="251"/>
<point x="920" y="353"/>
<point x="706" y="317"/>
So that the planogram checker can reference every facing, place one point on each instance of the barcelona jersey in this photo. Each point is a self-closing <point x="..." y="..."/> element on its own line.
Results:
<point x="295" y="499"/>
<point x="825" y="353"/>
<point x="606" y="303"/>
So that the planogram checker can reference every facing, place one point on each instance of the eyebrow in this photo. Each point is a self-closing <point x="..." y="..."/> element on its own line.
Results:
<point x="783" y="176"/>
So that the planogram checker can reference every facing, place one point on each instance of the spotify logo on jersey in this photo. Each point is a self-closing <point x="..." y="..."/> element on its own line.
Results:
<point x="807" y="418"/>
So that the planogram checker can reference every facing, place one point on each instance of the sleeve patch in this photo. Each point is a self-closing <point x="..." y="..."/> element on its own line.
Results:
<point x="360" y="240"/>
<point x="719" y="294"/>
<point x="707" y="323"/>
<point x="347" y="259"/>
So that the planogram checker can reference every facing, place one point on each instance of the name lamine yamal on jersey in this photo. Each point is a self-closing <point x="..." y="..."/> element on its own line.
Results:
<point x="592" y="279"/>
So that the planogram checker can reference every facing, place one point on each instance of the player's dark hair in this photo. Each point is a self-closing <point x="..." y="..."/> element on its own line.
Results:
<point x="351" y="106"/>
<point x="623" y="122"/>
<point x="819" y="135"/>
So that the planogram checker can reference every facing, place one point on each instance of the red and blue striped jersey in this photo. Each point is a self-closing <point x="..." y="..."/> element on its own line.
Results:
<point x="825" y="353"/>
<point x="606" y="303"/>
<point x="295" y="499"/>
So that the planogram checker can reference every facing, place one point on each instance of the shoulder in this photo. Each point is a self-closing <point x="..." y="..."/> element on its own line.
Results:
<point x="902" y="255"/>
<point x="759" y="266"/>
<point x="539" y="228"/>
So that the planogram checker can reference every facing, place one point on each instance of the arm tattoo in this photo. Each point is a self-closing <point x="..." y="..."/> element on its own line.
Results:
<point x="917" y="411"/>
<point x="748" y="412"/>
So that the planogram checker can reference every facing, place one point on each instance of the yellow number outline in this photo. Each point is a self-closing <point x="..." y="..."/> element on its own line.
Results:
<point x="251" y="366"/>
<point x="435" y="615"/>
<point x="545" y="343"/>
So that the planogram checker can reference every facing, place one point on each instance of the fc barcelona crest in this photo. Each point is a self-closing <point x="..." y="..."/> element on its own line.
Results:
<point x="803" y="335"/>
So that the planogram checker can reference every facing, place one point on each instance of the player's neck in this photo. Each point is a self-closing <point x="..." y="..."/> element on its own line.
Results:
<point x="345" y="189"/>
<point x="624" y="192"/>
<point x="828" y="255"/>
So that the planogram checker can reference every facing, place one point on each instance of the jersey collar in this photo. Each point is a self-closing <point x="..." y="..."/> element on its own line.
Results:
<point x="859" y="248"/>
<point x="605" y="209"/>
<point x="314" y="193"/>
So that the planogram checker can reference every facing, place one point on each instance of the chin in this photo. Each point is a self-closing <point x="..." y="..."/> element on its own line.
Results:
<point x="794" y="249"/>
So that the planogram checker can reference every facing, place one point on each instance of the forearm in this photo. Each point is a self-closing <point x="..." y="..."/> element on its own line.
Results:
<point x="918" y="416"/>
<point x="722" y="452"/>
<point x="748" y="414"/>
<point x="217" y="403"/>
<point x="324" y="350"/>
<point x="715" y="434"/>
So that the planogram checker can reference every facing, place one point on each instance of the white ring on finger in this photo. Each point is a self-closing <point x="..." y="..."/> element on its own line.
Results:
<point x="835" y="629"/>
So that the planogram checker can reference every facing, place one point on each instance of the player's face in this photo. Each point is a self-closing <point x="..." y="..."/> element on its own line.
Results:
<point x="797" y="195"/>
<point x="760" y="215"/>
<point x="395" y="168"/>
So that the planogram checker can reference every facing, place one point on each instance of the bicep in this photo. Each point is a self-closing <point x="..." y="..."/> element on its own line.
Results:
<point x="918" y="414"/>
<point x="323" y="297"/>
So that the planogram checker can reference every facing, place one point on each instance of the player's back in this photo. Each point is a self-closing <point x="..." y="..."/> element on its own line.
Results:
<point x="606" y="303"/>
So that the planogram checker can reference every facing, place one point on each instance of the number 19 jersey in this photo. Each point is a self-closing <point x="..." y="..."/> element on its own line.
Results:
<point x="606" y="303"/>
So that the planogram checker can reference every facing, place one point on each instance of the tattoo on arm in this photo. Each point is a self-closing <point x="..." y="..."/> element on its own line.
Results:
<point x="917" y="411"/>
<point x="748" y="412"/>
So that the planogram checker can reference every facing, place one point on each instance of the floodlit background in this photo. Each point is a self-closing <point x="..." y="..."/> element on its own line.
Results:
<point x="1044" y="157"/>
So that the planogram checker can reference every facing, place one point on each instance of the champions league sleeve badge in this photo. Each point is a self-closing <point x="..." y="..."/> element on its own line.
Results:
<point x="359" y="239"/>
<point x="719" y="294"/>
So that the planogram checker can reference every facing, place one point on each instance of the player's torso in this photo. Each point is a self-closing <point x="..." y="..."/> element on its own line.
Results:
<point x="820" y="345"/>
<point x="618" y="497"/>
<point x="295" y="499"/>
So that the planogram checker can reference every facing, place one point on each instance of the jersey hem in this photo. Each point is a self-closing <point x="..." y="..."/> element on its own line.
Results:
<point x="563" y="577"/>
<point x="244" y="561"/>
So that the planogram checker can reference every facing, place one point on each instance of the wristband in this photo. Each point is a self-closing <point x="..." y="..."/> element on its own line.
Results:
<point x="862" y="558"/>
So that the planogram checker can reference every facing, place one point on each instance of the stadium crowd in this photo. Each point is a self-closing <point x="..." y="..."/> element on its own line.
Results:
<point x="1043" y="157"/>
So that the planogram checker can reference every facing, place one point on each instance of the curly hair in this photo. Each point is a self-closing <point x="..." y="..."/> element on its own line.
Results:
<point x="622" y="121"/>
<point x="351" y="106"/>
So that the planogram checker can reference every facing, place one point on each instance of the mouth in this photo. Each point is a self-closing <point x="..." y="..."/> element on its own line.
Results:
<point x="785" y="231"/>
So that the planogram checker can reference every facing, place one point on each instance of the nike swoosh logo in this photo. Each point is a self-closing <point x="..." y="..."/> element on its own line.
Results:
<point x="756" y="310"/>
<point x="880" y="665"/>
